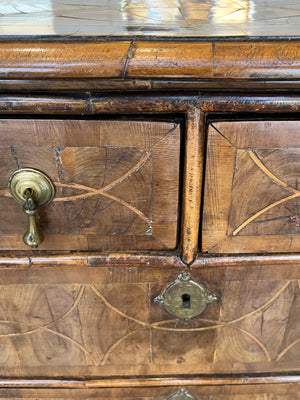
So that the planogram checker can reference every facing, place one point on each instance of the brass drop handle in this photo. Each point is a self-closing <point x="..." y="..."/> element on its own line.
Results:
<point x="32" y="189"/>
<point x="32" y="237"/>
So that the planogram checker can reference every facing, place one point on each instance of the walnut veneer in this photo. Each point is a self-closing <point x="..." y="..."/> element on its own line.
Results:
<point x="111" y="182"/>
<point x="167" y="155"/>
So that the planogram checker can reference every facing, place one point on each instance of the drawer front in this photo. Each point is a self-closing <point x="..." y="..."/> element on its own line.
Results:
<point x="116" y="183"/>
<point x="251" y="198"/>
<point x="98" y="321"/>
<point x="211" y="392"/>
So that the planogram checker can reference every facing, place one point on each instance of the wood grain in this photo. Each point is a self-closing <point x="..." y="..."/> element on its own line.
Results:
<point x="263" y="382"/>
<point x="115" y="84"/>
<point x="251" y="193"/>
<point x="227" y="392"/>
<point x="91" y="315"/>
<point x="91" y="164"/>
<point x="152" y="261"/>
<point x="254" y="61"/>
<point x="85" y="321"/>
<point x="71" y="60"/>
<point x="193" y="172"/>
<point x="182" y="102"/>
<point x="171" y="59"/>
<point x="156" y="59"/>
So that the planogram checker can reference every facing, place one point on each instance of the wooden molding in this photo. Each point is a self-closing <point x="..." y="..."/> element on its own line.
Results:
<point x="148" y="382"/>
<point x="228" y="61"/>
<point x="121" y="260"/>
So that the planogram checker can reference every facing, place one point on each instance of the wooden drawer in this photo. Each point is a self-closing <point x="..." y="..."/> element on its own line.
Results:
<point x="251" y="196"/>
<point x="97" y="318"/>
<point x="116" y="182"/>
<point x="208" y="391"/>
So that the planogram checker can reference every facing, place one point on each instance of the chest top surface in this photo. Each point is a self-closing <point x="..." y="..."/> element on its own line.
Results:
<point x="148" y="18"/>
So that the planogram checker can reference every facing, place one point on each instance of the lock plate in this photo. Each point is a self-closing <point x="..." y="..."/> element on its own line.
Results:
<point x="182" y="394"/>
<point x="185" y="298"/>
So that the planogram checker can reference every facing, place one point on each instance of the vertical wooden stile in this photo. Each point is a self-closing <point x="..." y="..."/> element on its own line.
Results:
<point x="192" y="183"/>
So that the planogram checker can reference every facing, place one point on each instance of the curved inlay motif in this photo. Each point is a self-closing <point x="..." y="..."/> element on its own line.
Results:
<point x="89" y="191"/>
<point x="139" y="326"/>
<point x="273" y="178"/>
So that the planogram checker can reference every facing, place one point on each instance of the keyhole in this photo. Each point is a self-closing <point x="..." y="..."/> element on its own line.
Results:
<point x="186" y="300"/>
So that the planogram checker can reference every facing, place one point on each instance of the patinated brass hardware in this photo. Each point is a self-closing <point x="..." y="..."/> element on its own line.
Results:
<point x="185" y="298"/>
<point x="32" y="189"/>
<point x="182" y="394"/>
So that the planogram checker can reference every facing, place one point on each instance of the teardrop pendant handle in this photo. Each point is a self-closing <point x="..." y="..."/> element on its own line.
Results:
<point x="32" y="189"/>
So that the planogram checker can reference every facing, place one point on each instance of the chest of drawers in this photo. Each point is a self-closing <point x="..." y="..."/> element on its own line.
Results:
<point x="170" y="262"/>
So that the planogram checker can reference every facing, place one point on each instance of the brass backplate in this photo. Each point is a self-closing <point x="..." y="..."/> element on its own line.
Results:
<point x="182" y="394"/>
<point x="185" y="298"/>
<point x="29" y="178"/>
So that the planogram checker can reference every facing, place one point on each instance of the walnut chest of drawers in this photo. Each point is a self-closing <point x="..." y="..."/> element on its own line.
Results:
<point x="176" y="170"/>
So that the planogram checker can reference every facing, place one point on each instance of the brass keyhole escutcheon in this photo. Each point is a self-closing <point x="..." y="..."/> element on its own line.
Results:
<point x="185" y="298"/>
<point x="32" y="189"/>
<point x="182" y="394"/>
